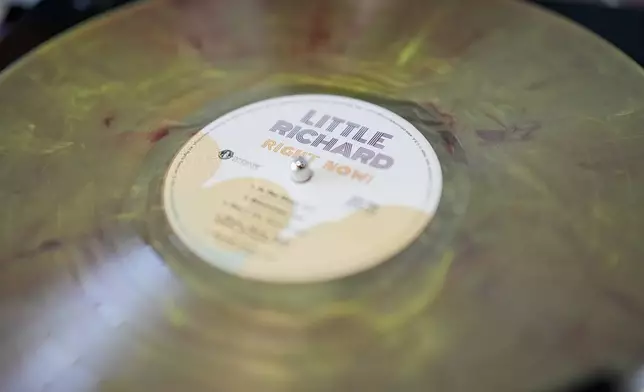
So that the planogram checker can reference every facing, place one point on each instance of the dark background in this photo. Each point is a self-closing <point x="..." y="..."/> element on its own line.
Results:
<point x="23" y="30"/>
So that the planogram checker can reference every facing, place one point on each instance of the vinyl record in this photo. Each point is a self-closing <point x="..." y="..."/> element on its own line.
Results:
<point x="469" y="217"/>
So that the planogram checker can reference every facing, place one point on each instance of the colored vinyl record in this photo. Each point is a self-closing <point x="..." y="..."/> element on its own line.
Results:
<point x="321" y="196"/>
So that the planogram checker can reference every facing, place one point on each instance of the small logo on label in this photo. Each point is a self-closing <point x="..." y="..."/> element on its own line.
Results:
<point x="226" y="154"/>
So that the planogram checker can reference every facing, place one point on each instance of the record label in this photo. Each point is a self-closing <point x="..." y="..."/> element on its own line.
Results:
<point x="230" y="198"/>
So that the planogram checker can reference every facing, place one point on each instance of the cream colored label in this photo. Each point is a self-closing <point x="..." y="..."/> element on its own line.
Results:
<point x="229" y="197"/>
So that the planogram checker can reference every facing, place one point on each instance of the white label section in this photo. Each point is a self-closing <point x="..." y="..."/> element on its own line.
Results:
<point x="230" y="198"/>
